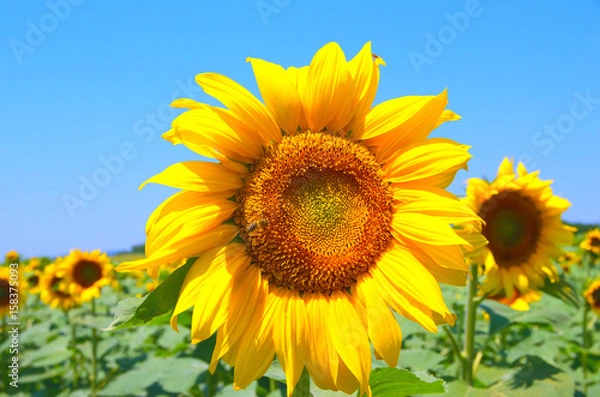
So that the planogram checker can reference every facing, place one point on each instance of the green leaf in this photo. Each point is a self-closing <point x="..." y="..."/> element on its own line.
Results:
<point x="562" y="290"/>
<point x="133" y="312"/>
<point x="400" y="382"/>
<point x="501" y="316"/>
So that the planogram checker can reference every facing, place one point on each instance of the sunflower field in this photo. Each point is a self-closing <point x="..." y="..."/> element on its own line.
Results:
<point x="312" y="247"/>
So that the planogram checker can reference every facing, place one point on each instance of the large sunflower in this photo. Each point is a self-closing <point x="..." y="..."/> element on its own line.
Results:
<point x="320" y="215"/>
<point x="86" y="272"/>
<point x="591" y="243"/>
<point x="524" y="229"/>
<point x="54" y="289"/>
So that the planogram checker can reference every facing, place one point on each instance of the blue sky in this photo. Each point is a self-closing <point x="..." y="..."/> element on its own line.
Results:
<point x="85" y="81"/>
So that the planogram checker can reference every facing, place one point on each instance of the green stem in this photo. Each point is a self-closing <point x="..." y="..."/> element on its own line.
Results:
<point x="210" y="384"/>
<point x="469" y="352"/>
<point x="584" y="352"/>
<point x="453" y="343"/>
<point x="302" y="388"/>
<point x="93" y="382"/>
<point x="74" y="356"/>
<point x="272" y="385"/>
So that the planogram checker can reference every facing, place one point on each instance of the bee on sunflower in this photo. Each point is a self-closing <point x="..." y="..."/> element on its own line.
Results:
<point x="318" y="217"/>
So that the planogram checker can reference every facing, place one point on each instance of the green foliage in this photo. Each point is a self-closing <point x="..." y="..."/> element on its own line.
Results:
<point x="133" y="312"/>
<point x="395" y="382"/>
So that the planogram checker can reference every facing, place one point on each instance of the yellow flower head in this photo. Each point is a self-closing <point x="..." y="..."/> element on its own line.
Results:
<point x="54" y="289"/>
<point x="12" y="257"/>
<point x="592" y="296"/>
<point x="523" y="227"/>
<point x="86" y="273"/>
<point x="33" y="277"/>
<point x="569" y="259"/>
<point x="591" y="243"/>
<point x="321" y="215"/>
<point x="32" y="264"/>
<point x="10" y="284"/>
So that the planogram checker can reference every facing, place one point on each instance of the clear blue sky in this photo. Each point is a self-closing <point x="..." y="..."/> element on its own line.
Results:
<point x="83" y="82"/>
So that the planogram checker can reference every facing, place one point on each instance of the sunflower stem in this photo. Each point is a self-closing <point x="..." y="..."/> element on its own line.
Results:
<point x="584" y="352"/>
<point x="453" y="342"/>
<point x="74" y="356"/>
<point x="210" y="384"/>
<point x="272" y="385"/>
<point x="302" y="388"/>
<point x="469" y="345"/>
<point x="93" y="381"/>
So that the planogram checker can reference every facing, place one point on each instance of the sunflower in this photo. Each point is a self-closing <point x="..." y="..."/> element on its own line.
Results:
<point x="32" y="264"/>
<point x="12" y="257"/>
<point x="591" y="243"/>
<point x="321" y="215"/>
<point x="524" y="228"/>
<point x="569" y="259"/>
<point x="33" y="277"/>
<point x="592" y="296"/>
<point x="86" y="272"/>
<point x="54" y="290"/>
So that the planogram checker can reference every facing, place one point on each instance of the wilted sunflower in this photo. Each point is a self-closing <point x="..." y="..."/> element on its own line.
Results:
<point x="54" y="290"/>
<point x="591" y="242"/>
<point x="569" y="259"/>
<point x="321" y="214"/>
<point x="523" y="227"/>
<point x="592" y="295"/>
<point x="86" y="272"/>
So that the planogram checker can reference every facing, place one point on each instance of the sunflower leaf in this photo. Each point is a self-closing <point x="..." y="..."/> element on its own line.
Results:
<point x="562" y="290"/>
<point x="400" y="382"/>
<point x="133" y="312"/>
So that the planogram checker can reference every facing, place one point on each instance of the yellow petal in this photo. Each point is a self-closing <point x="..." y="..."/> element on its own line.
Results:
<point x="289" y="335"/>
<point x="398" y="122"/>
<point x="323" y="360"/>
<point x="447" y="115"/>
<point x="435" y="161"/>
<point x="242" y="103"/>
<point x="329" y="89"/>
<point x="203" y="128"/>
<point x="383" y="328"/>
<point x="426" y="229"/>
<point x="410" y="309"/>
<point x="176" y="227"/>
<point x="217" y="265"/>
<point x="403" y="270"/>
<point x="279" y="94"/>
<point x="349" y="336"/>
<point x="506" y="168"/>
<point x="198" y="176"/>
<point x="188" y="248"/>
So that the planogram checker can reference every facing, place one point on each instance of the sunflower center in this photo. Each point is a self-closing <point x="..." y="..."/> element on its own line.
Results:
<point x="86" y="273"/>
<point x="55" y="288"/>
<point x="4" y="287"/>
<point x="33" y="280"/>
<point x="595" y="241"/>
<point x="596" y="297"/>
<point x="512" y="227"/>
<point x="315" y="212"/>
